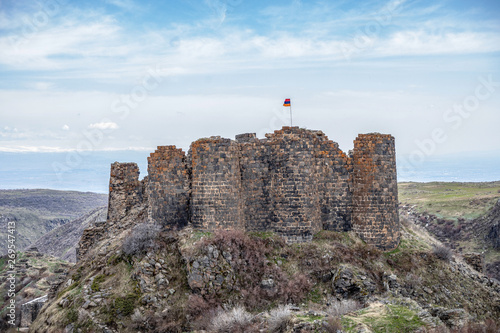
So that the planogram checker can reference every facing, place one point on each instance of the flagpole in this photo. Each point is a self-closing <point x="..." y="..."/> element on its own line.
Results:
<point x="291" y="120"/>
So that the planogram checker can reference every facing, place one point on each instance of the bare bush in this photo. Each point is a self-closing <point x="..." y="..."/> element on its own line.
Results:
<point x="142" y="238"/>
<point x="235" y="320"/>
<point x="412" y="281"/>
<point x="332" y="325"/>
<point x="279" y="318"/>
<point x="442" y="252"/>
<point x="340" y="308"/>
<point x="138" y="319"/>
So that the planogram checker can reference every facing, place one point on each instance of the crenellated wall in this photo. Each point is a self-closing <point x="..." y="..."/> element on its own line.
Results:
<point x="295" y="182"/>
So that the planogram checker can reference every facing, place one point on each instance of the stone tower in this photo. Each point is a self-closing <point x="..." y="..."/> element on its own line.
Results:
<point x="375" y="190"/>
<point x="125" y="190"/>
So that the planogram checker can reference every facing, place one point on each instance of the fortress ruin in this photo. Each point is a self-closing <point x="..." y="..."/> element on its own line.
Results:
<point x="294" y="182"/>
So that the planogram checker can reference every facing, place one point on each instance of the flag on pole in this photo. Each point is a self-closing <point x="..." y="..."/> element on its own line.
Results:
<point x="287" y="102"/>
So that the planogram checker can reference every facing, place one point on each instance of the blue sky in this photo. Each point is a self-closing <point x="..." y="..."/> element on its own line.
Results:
<point x="123" y="74"/>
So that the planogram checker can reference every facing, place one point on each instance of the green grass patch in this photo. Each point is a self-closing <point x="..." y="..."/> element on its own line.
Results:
<point x="399" y="319"/>
<point x="96" y="283"/>
<point x="124" y="306"/>
<point x="384" y="319"/>
<point x="71" y="316"/>
<point x="348" y="324"/>
<point x="450" y="200"/>
<point x="197" y="235"/>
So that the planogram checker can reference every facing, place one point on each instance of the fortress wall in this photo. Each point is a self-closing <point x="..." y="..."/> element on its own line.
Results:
<point x="295" y="182"/>
<point x="125" y="190"/>
<point x="254" y="164"/>
<point x="334" y="184"/>
<point x="168" y="187"/>
<point x="296" y="211"/>
<point x="215" y="184"/>
<point x="375" y="192"/>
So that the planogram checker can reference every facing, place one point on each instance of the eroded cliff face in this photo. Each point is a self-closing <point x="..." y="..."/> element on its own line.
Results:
<point x="295" y="182"/>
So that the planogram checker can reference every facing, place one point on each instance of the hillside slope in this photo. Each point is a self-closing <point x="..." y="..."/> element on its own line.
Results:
<point x="35" y="274"/>
<point x="462" y="215"/>
<point x="136" y="278"/>
<point x="37" y="212"/>
<point x="62" y="241"/>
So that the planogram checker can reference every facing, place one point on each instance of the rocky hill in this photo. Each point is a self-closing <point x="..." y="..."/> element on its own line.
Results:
<point x="62" y="241"/>
<point x="36" y="212"/>
<point x="35" y="274"/>
<point x="136" y="277"/>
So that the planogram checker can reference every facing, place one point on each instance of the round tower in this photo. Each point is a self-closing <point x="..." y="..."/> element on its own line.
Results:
<point x="215" y="184"/>
<point x="168" y="187"/>
<point x="375" y="190"/>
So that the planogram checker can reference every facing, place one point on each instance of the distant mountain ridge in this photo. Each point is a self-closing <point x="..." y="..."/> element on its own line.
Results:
<point x="37" y="212"/>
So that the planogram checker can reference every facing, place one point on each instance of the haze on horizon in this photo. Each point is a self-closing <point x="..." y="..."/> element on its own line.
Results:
<point x="123" y="75"/>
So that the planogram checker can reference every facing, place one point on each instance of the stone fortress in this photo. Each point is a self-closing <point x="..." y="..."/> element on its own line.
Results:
<point x="295" y="182"/>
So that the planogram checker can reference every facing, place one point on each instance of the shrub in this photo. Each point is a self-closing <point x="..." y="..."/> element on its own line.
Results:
<point x="71" y="316"/>
<point x="333" y="325"/>
<point x="412" y="281"/>
<point x="141" y="239"/>
<point x="96" y="283"/>
<point x="340" y="308"/>
<point x="279" y="318"/>
<point x="237" y="320"/>
<point x="442" y="252"/>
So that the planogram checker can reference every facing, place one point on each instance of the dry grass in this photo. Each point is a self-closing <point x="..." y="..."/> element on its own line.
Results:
<point x="279" y="318"/>
<point x="340" y="308"/>
<point x="236" y="320"/>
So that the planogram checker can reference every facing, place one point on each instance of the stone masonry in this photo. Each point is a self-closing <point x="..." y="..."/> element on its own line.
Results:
<point x="375" y="190"/>
<point x="125" y="190"/>
<point x="295" y="182"/>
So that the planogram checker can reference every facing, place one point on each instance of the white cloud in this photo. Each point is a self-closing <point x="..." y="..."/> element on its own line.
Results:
<point x="104" y="125"/>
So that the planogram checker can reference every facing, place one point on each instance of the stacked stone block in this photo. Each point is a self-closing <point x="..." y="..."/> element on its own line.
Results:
<point x="168" y="187"/>
<point x="375" y="192"/>
<point x="125" y="190"/>
<point x="215" y="184"/>
<point x="255" y="186"/>
<point x="294" y="191"/>
<point x="334" y="184"/>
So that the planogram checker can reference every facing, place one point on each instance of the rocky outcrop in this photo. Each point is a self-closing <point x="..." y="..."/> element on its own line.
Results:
<point x="349" y="284"/>
<point x="475" y="260"/>
<point x="29" y="310"/>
